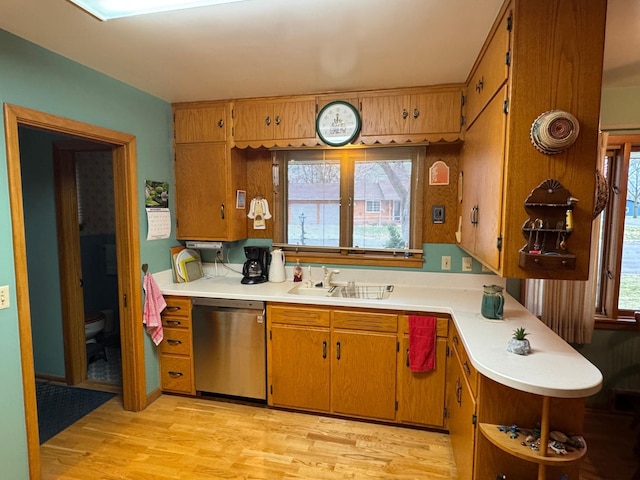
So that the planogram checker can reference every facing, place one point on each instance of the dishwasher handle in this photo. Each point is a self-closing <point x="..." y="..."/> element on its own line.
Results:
<point x="227" y="303"/>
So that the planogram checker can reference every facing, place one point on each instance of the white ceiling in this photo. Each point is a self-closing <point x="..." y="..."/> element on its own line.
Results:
<point x="286" y="47"/>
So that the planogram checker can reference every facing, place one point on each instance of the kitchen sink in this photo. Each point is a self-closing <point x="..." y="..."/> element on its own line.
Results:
<point x="311" y="291"/>
<point x="350" y="290"/>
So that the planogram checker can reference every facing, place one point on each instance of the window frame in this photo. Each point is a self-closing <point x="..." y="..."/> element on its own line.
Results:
<point x="411" y="257"/>
<point x="608" y="315"/>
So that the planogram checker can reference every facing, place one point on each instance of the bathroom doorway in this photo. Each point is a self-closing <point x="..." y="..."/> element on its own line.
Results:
<point x="128" y="258"/>
<point x="87" y="253"/>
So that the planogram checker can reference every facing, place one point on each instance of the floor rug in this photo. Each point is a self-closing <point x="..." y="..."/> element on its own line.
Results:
<point x="60" y="406"/>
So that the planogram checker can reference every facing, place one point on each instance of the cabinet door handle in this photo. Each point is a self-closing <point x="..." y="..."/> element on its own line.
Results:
<point x="467" y="370"/>
<point x="277" y="119"/>
<point x="459" y="392"/>
<point x="337" y="350"/>
<point x="222" y="211"/>
<point x="174" y="342"/>
<point x="267" y="120"/>
<point x="455" y="339"/>
<point x="175" y="374"/>
<point x="405" y="113"/>
<point x="220" y="123"/>
<point x="324" y="349"/>
<point x="408" y="357"/>
<point x="480" y="85"/>
<point x="174" y="322"/>
<point x="416" y="113"/>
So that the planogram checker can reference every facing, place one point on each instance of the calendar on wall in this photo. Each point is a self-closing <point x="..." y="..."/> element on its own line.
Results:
<point x="156" y="199"/>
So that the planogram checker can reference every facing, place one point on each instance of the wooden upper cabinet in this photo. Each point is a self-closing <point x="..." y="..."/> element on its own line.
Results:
<point x="422" y="112"/>
<point x="491" y="71"/>
<point x="200" y="123"/>
<point x="265" y="122"/>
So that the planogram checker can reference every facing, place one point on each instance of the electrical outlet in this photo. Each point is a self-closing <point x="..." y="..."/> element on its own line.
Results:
<point x="467" y="264"/>
<point x="446" y="262"/>
<point x="4" y="296"/>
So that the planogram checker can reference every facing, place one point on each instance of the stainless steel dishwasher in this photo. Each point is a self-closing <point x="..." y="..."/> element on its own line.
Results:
<point x="229" y="339"/>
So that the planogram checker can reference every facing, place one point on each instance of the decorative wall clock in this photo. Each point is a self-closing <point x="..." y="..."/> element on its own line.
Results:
<point x="338" y="123"/>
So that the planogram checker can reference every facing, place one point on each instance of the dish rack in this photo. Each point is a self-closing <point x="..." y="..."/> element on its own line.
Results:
<point x="371" y="292"/>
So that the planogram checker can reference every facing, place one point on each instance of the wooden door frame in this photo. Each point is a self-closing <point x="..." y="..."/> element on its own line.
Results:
<point x="123" y="146"/>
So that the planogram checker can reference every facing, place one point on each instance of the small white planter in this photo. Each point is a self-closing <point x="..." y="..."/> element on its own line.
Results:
<point x="520" y="347"/>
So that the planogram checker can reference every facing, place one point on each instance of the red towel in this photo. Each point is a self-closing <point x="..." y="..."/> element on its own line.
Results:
<point x="422" y="343"/>
<point x="153" y="305"/>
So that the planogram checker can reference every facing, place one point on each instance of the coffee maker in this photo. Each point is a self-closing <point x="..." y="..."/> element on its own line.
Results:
<point x="255" y="269"/>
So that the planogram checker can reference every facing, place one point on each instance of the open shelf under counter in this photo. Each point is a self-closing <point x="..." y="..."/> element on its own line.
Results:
<point x="514" y="447"/>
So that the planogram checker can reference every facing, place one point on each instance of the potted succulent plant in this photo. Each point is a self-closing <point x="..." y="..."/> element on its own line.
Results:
<point x="519" y="343"/>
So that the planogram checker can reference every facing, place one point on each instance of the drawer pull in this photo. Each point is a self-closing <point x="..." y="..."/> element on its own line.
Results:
<point x="175" y="374"/>
<point x="174" y="342"/>
<point x="173" y="309"/>
<point x="416" y="113"/>
<point x="405" y="113"/>
<point x="466" y="368"/>
<point x="174" y="322"/>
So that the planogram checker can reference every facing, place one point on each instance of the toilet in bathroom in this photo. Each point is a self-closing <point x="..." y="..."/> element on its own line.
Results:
<point x="94" y="323"/>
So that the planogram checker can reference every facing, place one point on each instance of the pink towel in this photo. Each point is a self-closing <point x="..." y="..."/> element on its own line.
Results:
<point x="422" y="343"/>
<point x="153" y="305"/>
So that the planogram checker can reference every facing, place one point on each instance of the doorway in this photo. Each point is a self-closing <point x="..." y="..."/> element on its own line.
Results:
<point x="122" y="146"/>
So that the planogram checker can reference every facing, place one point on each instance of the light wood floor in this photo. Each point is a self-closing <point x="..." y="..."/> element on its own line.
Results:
<point x="190" y="438"/>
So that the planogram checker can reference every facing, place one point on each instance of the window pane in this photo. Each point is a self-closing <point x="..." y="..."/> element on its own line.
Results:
<point x="629" y="298"/>
<point x="382" y="200"/>
<point x="313" y="194"/>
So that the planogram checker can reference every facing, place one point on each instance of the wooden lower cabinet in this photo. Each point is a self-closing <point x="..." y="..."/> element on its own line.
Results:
<point x="176" y="349"/>
<point x="461" y="421"/>
<point x="421" y="395"/>
<point x="346" y="362"/>
<point x="477" y="405"/>
<point x="300" y="367"/>
<point x="363" y="374"/>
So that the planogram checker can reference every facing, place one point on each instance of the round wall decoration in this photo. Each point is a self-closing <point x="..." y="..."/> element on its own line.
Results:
<point x="338" y="123"/>
<point x="554" y="131"/>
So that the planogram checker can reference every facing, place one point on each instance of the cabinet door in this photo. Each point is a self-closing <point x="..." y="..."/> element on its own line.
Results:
<point x="483" y="166"/>
<point x="293" y="120"/>
<point x="492" y="71"/>
<point x="300" y="367"/>
<point x="252" y="121"/>
<point x="422" y="394"/>
<point x="201" y="191"/>
<point x="461" y="406"/>
<point x="385" y="115"/>
<point x="200" y="124"/>
<point x="437" y="112"/>
<point x="363" y="374"/>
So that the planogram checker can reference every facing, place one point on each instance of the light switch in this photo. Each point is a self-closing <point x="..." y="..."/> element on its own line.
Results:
<point x="4" y="296"/>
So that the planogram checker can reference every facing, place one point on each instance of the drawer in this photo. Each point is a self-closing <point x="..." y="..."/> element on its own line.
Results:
<point x="370" y="321"/>
<point x="469" y="371"/>
<point x="171" y="321"/>
<point x="176" y="341"/>
<point x="442" y="323"/>
<point x="292" y="315"/>
<point x="177" y="306"/>
<point x="175" y="374"/>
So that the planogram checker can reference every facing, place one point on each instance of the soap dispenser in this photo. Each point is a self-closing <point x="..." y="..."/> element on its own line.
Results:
<point x="297" y="272"/>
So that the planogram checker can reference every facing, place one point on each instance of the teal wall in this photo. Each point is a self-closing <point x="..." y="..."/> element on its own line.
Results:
<point x="38" y="79"/>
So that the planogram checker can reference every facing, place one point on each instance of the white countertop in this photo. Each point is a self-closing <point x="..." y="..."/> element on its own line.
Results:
<point x="553" y="368"/>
